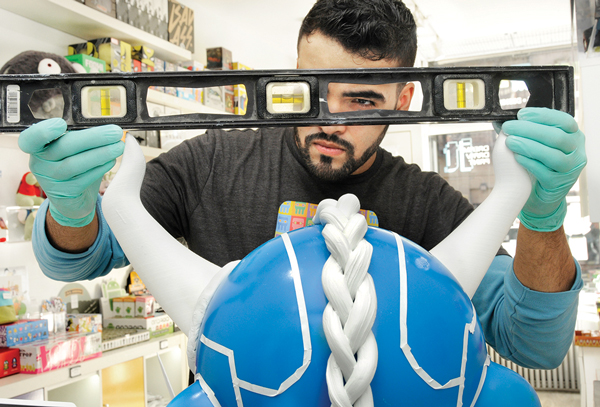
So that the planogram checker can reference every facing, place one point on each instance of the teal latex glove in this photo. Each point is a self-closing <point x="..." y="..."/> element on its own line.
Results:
<point x="549" y="144"/>
<point x="69" y="166"/>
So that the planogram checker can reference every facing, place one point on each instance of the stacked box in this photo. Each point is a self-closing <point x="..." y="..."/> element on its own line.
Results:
<point x="195" y="66"/>
<point x="116" y="53"/>
<point x="218" y="58"/>
<point x="23" y="331"/>
<point x="105" y="6"/>
<point x="158" y="325"/>
<point x="181" y="25"/>
<point x="159" y="66"/>
<point x="84" y="323"/>
<point x="122" y="10"/>
<point x="143" y="58"/>
<point x="185" y="93"/>
<point x="161" y="8"/>
<point x="170" y="67"/>
<point x="157" y="18"/>
<point x="59" y="351"/>
<point x="90" y="64"/>
<point x="144" y="306"/>
<point x="214" y="97"/>
<point x="9" y="361"/>
<point x="240" y="97"/>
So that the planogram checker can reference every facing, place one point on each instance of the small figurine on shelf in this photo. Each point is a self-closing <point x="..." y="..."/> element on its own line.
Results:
<point x="29" y="195"/>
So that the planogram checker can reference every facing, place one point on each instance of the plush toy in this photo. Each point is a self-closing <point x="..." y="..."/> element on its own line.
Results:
<point x="46" y="103"/>
<point x="29" y="194"/>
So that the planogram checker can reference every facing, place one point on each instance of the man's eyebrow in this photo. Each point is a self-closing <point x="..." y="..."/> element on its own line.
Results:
<point x="366" y="94"/>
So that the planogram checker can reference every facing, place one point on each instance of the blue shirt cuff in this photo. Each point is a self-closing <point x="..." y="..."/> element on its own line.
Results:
<point x="104" y="255"/>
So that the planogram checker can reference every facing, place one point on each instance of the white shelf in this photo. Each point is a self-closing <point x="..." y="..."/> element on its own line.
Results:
<point x="84" y="22"/>
<point x="18" y="384"/>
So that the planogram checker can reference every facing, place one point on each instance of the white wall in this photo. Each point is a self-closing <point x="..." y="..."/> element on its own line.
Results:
<point x="18" y="34"/>
<point x="225" y="23"/>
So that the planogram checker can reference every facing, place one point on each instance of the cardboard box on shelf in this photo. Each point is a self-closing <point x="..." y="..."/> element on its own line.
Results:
<point x="170" y="67"/>
<point x="143" y="54"/>
<point x="84" y="323"/>
<point x="159" y="324"/>
<point x="218" y="58"/>
<point x="229" y="99"/>
<point x="105" y="6"/>
<point x="23" y="331"/>
<point x="161" y="8"/>
<point x="240" y="96"/>
<point x="144" y="306"/>
<point x="116" y="53"/>
<point x="122" y="10"/>
<point x="185" y="93"/>
<point x="214" y="97"/>
<point x="181" y="25"/>
<point x="90" y="64"/>
<point x="9" y="361"/>
<point x="59" y="351"/>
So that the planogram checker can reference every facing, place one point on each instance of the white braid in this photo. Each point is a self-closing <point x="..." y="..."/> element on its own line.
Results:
<point x="350" y="313"/>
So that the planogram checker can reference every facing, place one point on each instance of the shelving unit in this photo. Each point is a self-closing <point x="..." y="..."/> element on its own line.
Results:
<point x="77" y="19"/>
<point x="84" y="389"/>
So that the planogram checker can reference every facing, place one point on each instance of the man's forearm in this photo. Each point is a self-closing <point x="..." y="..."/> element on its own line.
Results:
<point x="69" y="239"/>
<point x="543" y="260"/>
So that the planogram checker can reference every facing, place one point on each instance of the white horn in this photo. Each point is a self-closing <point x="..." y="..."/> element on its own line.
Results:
<point x="174" y="275"/>
<point x="469" y="250"/>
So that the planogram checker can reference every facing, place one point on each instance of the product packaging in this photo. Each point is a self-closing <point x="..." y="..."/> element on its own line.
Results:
<point x="181" y="25"/>
<point x="90" y="64"/>
<point x="240" y="97"/>
<point x="23" y="331"/>
<point x="158" y="325"/>
<point x="116" y="53"/>
<point x="10" y="361"/>
<point x="83" y="323"/>
<point x="214" y="97"/>
<point x="122" y="10"/>
<point x="59" y="351"/>
<point x="145" y="56"/>
<point x="144" y="306"/>
<point x="218" y="58"/>
<point x="158" y="18"/>
<point x="105" y="6"/>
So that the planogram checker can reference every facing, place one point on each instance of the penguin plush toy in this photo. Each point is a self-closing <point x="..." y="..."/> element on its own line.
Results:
<point x="45" y="103"/>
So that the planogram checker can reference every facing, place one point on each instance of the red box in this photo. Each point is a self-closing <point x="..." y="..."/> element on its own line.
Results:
<point x="9" y="360"/>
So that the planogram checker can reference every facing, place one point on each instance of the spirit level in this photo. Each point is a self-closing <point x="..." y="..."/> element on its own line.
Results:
<point x="286" y="97"/>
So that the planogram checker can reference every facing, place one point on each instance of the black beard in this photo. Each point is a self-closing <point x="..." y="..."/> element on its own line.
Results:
<point x="323" y="169"/>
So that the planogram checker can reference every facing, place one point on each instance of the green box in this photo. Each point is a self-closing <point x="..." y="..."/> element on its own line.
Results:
<point x="90" y="64"/>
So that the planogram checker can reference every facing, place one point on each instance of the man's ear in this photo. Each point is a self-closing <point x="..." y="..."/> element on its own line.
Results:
<point x="405" y="96"/>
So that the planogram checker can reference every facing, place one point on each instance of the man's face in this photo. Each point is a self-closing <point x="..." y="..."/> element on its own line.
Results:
<point x="334" y="152"/>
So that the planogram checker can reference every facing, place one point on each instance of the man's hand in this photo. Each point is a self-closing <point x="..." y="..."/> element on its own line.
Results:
<point x="550" y="146"/>
<point x="69" y="166"/>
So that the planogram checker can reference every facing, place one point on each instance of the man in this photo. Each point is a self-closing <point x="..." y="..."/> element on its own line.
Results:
<point x="221" y="191"/>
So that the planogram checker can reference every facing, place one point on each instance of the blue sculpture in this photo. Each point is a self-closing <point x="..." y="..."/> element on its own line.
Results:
<point x="340" y="314"/>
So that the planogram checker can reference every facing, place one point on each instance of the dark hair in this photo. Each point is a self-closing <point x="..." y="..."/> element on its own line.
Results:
<point x="372" y="29"/>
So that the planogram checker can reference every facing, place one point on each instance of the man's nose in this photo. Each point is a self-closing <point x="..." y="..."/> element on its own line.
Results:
<point x="338" y="129"/>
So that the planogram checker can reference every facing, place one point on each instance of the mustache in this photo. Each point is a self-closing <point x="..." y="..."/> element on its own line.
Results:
<point x="332" y="138"/>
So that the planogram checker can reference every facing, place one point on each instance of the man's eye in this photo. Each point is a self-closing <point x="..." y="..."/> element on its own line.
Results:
<point x="364" y="102"/>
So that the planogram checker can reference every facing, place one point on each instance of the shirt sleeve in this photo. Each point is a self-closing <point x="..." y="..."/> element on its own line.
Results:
<point x="533" y="329"/>
<point x="104" y="255"/>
